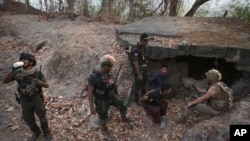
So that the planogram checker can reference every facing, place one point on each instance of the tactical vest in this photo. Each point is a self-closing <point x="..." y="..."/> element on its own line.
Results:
<point x="104" y="85"/>
<point x="226" y="103"/>
<point x="26" y="86"/>
<point x="142" y="61"/>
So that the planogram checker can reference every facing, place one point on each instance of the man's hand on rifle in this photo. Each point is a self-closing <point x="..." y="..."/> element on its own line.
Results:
<point x="38" y="82"/>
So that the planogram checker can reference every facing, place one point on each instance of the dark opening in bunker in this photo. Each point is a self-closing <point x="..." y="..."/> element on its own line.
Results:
<point x="197" y="66"/>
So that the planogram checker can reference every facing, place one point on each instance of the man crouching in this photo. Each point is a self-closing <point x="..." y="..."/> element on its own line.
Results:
<point x="154" y="103"/>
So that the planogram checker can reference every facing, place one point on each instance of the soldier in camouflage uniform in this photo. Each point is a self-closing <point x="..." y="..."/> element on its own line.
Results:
<point x="30" y="83"/>
<point x="140" y="67"/>
<point x="102" y="92"/>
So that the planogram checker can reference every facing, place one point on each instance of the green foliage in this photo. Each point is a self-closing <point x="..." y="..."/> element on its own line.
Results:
<point x="142" y="9"/>
<point x="240" y="9"/>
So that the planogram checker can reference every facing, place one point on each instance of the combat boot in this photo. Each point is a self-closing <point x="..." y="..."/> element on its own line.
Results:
<point x="48" y="137"/>
<point x="180" y="120"/>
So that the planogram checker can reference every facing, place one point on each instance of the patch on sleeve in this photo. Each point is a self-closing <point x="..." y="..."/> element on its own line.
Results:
<point x="136" y="54"/>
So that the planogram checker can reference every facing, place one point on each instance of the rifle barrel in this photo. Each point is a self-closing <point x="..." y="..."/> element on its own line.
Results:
<point x="117" y="74"/>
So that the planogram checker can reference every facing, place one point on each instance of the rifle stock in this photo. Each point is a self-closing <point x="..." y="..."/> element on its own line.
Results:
<point x="117" y="74"/>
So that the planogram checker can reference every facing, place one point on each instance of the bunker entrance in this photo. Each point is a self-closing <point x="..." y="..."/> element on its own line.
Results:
<point x="197" y="66"/>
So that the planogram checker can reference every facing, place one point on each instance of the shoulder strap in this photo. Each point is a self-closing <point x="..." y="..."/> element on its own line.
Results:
<point x="96" y="72"/>
<point x="221" y="85"/>
<point x="36" y="74"/>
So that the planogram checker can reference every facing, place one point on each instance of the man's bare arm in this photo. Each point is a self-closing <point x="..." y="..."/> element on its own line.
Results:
<point x="90" y="97"/>
<point x="137" y="69"/>
<point x="202" y="99"/>
<point x="9" y="77"/>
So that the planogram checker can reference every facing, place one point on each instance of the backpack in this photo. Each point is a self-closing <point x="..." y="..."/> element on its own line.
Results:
<point x="227" y="96"/>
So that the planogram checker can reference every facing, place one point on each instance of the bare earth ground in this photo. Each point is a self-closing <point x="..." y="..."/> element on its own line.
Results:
<point x="71" y="51"/>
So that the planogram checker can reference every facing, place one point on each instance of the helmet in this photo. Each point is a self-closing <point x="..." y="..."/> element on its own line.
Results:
<point x="214" y="75"/>
<point x="28" y="56"/>
<point x="107" y="60"/>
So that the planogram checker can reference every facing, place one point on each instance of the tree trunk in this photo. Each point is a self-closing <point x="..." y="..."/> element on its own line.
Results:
<point x="27" y="4"/>
<point x="104" y="7"/>
<point x="131" y="10"/>
<point x="225" y="13"/>
<point x="41" y="4"/>
<point x="85" y="8"/>
<point x="111" y="3"/>
<point x="70" y="6"/>
<point x="60" y="6"/>
<point x="5" y="4"/>
<point x="46" y="5"/>
<point x="173" y="8"/>
<point x="195" y="7"/>
<point x="52" y="7"/>
<point x="166" y="2"/>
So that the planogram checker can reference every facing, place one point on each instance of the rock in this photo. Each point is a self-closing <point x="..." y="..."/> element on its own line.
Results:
<point x="188" y="82"/>
<point x="241" y="88"/>
<point x="217" y="128"/>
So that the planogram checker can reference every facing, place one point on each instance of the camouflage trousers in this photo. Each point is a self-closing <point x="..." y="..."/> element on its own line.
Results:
<point x="102" y="107"/>
<point x="139" y="86"/>
<point x="203" y="108"/>
<point x="29" y="108"/>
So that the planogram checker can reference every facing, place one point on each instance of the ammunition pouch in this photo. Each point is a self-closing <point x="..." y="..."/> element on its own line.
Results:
<point x="107" y="91"/>
<point x="28" y="89"/>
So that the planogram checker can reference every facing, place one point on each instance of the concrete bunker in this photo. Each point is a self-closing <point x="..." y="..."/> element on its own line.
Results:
<point x="192" y="46"/>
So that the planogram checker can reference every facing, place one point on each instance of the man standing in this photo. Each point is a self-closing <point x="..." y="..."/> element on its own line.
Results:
<point x="219" y="97"/>
<point x="30" y="84"/>
<point x="159" y="78"/>
<point x="101" y="87"/>
<point x="140" y="67"/>
<point x="154" y="103"/>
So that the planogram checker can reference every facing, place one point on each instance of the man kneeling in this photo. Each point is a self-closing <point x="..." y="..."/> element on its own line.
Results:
<point x="154" y="103"/>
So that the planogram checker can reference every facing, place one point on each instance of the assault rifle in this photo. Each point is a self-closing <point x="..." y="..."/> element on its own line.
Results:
<point x="40" y="77"/>
<point x="128" y="51"/>
<point x="116" y="77"/>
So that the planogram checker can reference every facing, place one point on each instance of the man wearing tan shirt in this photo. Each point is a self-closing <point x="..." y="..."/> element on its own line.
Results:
<point x="211" y="103"/>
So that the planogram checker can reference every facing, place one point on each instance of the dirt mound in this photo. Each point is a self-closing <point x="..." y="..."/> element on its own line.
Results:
<point x="19" y="8"/>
